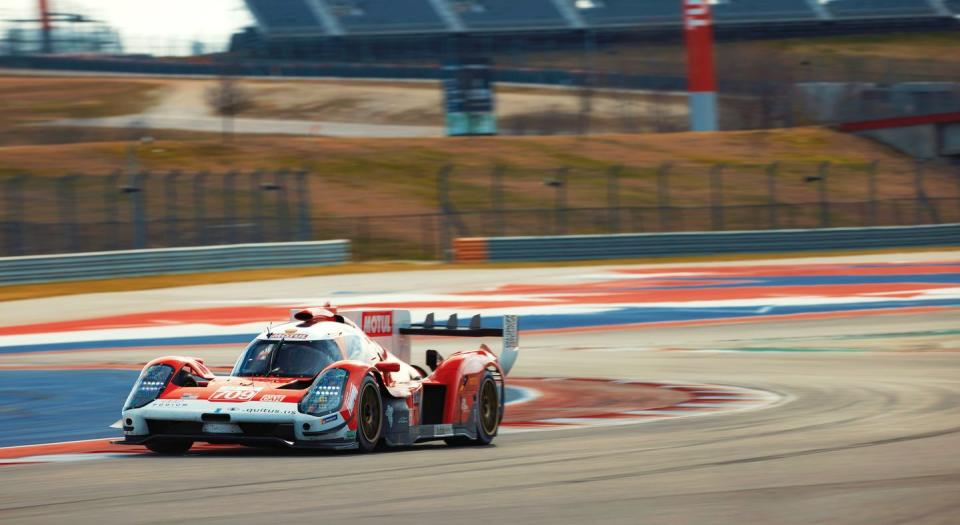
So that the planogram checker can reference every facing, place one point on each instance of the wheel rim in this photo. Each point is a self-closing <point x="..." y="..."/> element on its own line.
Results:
<point x="370" y="414"/>
<point x="489" y="411"/>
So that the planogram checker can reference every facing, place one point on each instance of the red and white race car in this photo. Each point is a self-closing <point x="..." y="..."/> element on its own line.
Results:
<point x="328" y="379"/>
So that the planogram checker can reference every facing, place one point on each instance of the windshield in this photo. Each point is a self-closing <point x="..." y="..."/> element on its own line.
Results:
<point x="285" y="358"/>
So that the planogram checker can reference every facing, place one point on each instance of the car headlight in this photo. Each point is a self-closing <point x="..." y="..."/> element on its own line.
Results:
<point x="151" y="382"/>
<point x="326" y="394"/>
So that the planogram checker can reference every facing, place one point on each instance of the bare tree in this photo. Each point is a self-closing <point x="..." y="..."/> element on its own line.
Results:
<point x="228" y="99"/>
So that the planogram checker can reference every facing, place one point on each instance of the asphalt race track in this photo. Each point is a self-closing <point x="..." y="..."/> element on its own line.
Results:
<point x="848" y="369"/>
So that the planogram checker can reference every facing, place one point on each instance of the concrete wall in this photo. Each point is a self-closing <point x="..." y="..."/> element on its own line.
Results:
<point x="921" y="142"/>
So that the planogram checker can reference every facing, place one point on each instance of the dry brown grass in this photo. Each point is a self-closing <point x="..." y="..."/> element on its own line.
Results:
<point x="335" y="155"/>
<point x="421" y="103"/>
<point x="354" y="177"/>
<point x="35" y="99"/>
<point x="881" y="57"/>
<point x="938" y="46"/>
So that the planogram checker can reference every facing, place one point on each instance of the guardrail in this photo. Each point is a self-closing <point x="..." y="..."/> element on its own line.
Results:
<point x="624" y="246"/>
<point x="129" y="263"/>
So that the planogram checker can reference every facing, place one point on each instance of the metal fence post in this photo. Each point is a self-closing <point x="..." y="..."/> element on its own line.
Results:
<point x="773" y="203"/>
<point x="716" y="194"/>
<point x="663" y="195"/>
<point x="136" y="190"/>
<point x="438" y="251"/>
<point x="496" y="199"/>
<point x="922" y="201"/>
<point x="872" y="192"/>
<point x="199" y="206"/>
<point x="425" y="236"/>
<point x="112" y="212"/>
<point x="170" y="198"/>
<point x="283" y="207"/>
<point x="918" y="191"/>
<point x="257" y="188"/>
<point x="613" y="198"/>
<point x="822" y="175"/>
<point x="66" y="193"/>
<point x="443" y="199"/>
<point x="303" y="189"/>
<point x="956" y="178"/>
<point x="363" y="238"/>
<point x="560" y="203"/>
<point x="15" y="219"/>
<point x="230" y="206"/>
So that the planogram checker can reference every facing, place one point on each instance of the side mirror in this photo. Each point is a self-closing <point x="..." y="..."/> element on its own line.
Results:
<point x="385" y="366"/>
<point x="433" y="359"/>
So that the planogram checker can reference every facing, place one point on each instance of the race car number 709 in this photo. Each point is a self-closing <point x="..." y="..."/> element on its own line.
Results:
<point x="234" y="393"/>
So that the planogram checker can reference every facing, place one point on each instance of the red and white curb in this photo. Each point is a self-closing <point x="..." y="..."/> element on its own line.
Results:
<point x="543" y="404"/>
<point x="702" y="400"/>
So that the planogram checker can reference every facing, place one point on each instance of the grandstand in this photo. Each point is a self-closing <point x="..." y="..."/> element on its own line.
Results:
<point x="371" y="16"/>
<point x="743" y="11"/>
<point x="318" y="18"/>
<point x="427" y="31"/>
<point x="870" y="9"/>
<point x="626" y="13"/>
<point x="280" y="17"/>
<point x="509" y="15"/>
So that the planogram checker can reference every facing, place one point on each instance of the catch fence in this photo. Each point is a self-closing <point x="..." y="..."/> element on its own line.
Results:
<point x="84" y="213"/>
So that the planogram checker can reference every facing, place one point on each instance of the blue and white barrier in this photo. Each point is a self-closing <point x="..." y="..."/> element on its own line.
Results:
<point x="128" y="263"/>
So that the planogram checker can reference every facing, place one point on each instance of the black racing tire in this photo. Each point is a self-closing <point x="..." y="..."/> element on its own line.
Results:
<point x="489" y="414"/>
<point x="169" y="447"/>
<point x="369" y="413"/>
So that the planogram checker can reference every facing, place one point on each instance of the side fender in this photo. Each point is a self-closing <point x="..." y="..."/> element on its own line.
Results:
<point x="178" y="363"/>
<point x="460" y="373"/>
<point x="357" y="371"/>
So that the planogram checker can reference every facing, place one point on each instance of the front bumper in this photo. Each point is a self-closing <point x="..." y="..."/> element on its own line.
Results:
<point x="251" y="423"/>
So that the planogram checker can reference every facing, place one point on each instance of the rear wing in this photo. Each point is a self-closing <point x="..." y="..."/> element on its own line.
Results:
<point x="392" y="329"/>
<point x="452" y="328"/>
<point x="509" y="334"/>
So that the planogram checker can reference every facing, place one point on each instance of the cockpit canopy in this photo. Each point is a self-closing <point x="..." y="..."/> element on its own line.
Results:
<point x="282" y="357"/>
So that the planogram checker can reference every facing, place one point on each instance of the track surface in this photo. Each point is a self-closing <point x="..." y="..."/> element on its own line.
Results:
<point x="871" y="438"/>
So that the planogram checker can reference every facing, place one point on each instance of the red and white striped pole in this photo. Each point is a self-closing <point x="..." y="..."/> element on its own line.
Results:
<point x="701" y="75"/>
<point x="46" y="26"/>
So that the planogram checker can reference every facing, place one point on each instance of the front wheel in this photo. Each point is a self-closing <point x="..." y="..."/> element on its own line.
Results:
<point x="169" y="447"/>
<point x="369" y="415"/>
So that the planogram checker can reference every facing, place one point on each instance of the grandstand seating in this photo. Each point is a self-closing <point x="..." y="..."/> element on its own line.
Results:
<point x="372" y="17"/>
<point x="629" y="12"/>
<point x="493" y="15"/>
<point x="879" y="8"/>
<point x="753" y="10"/>
<point x="386" y="16"/>
<point x="285" y="15"/>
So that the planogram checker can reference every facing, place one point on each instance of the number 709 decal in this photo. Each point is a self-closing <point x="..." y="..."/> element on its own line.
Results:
<point x="235" y="393"/>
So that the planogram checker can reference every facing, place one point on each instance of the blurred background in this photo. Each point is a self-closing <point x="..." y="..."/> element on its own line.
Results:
<point x="402" y="124"/>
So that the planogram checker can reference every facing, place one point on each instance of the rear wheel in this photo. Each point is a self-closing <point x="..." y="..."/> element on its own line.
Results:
<point x="369" y="415"/>
<point x="169" y="447"/>
<point x="489" y="413"/>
